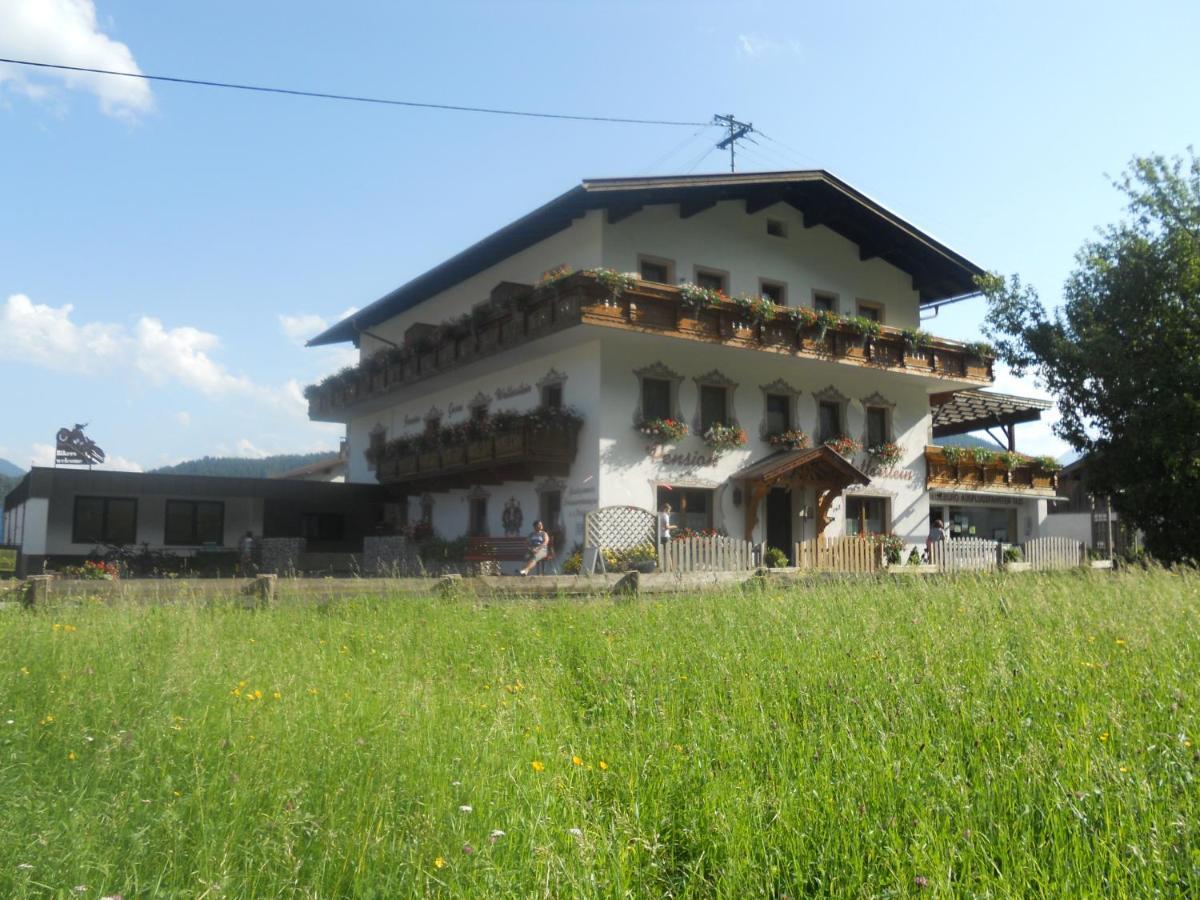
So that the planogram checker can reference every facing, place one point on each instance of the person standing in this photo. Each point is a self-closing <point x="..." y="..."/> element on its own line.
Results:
<point x="246" y="551"/>
<point x="664" y="524"/>
<point x="933" y="543"/>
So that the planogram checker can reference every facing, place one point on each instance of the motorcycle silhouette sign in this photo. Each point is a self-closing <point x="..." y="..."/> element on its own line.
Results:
<point x="74" y="448"/>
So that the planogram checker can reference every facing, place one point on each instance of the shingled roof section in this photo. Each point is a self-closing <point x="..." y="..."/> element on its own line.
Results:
<point x="961" y="412"/>
<point x="938" y="273"/>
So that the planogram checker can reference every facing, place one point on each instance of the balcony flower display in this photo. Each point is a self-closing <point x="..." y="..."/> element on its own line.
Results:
<point x="955" y="456"/>
<point x="981" y="350"/>
<point x="826" y="320"/>
<point x="844" y="446"/>
<point x="792" y="439"/>
<point x="1047" y="464"/>
<point x="663" y="431"/>
<point x="755" y="309"/>
<point x="694" y="297"/>
<point x="616" y="282"/>
<point x="982" y="456"/>
<point x="546" y="418"/>
<point x="1011" y="459"/>
<point x="869" y="329"/>
<point x="915" y="339"/>
<point x="554" y="276"/>
<point x="886" y="454"/>
<point x="725" y="437"/>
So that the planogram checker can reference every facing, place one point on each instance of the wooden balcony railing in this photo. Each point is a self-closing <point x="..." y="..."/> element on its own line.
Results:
<point x="645" y="307"/>
<point x="968" y="475"/>
<point x="522" y="454"/>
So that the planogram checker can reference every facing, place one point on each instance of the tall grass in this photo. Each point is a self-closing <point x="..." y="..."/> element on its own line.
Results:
<point x="992" y="737"/>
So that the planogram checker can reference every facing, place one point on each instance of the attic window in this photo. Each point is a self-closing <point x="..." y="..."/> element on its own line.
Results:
<point x="775" y="228"/>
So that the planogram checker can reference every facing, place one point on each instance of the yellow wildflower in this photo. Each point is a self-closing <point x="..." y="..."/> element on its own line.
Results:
<point x="538" y="766"/>
<point x="1120" y="642"/>
<point x="71" y="756"/>
<point x="1124" y="768"/>
<point x="603" y="766"/>
<point x="312" y="692"/>
<point x="258" y="695"/>
<point x="1104" y="737"/>
<point x="24" y="671"/>
<point x="277" y="696"/>
<point x="439" y="863"/>
<point x="576" y="760"/>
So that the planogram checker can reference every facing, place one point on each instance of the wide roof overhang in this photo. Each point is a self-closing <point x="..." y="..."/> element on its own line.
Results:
<point x="961" y="412"/>
<point x="938" y="273"/>
<point x="818" y="465"/>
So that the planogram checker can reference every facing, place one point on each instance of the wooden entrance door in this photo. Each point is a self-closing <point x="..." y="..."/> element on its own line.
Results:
<point x="779" y="520"/>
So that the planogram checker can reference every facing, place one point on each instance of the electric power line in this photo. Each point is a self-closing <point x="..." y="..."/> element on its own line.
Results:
<point x="670" y="153"/>
<point x="321" y="95"/>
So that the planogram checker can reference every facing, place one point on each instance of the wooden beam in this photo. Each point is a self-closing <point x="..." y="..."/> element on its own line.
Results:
<point x="617" y="213"/>
<point x="814" y="216"/>
<point x="758" y="203"/>
<point x="689" y="208"/>
<point x="870" y="251"/>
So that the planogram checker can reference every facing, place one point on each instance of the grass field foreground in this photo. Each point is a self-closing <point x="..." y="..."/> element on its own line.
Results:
<point x="1016" y="736"/>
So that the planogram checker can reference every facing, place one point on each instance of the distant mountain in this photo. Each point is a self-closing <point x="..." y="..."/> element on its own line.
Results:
<point x="965" y="440"/>
<point x="240" y="467"/>
<point x="10" y="470"/>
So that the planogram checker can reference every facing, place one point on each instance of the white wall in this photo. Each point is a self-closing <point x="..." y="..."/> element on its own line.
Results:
<point x="581" y="366"/>
<point x="578" y="246"/>
<point x="1076" y="526"/>
<point x="629" y="474"/>
<point x="726" y="238"/>
<point x="30" y="520"/>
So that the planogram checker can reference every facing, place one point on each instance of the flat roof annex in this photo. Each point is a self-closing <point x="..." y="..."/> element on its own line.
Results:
<point x="938" y="273"/>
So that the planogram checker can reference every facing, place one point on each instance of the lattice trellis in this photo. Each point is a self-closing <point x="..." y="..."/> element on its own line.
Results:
<point x="619" y="527"/>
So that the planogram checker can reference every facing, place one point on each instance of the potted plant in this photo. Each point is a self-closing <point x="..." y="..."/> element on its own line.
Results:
<point x="1012" y="560"/>
<point x="982" y="456"/>
<point x="663" y="431"/>
<point x="915" y="340"/>
<point x="1011" y="460"/>
<point x="955" y="457"/>
<point x="868" y="329"/>
<point x="825" y="321"/>
<point x="792" y="439"/>
<point x="721" y="437"/>
<point x="981" y="350"/>
<point x="886" y="454"/>
<point x="844" y="446"/>
<point x="616" y="282"/>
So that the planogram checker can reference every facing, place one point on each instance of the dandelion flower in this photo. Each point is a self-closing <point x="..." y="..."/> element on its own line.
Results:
<point x="24" y="671"/>
<point x="603" y="766"/>
<point x="1104" y="737"/>
<point x="575" y="760"/>
<point x="1120" y="642"/>
<point x="439" y="863"/>
<point x="538" y="766"/>
<point x="71" y="756"/>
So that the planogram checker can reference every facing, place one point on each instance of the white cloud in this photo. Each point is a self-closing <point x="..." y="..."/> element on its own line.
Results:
<point x="757" y="46"/>
<point x="43" y="455"/>
<point x="46" y="336"/>
<point x="246" y="448"/>
<point x="302" y="327"/>
<point x="66" y="32"/>
<point x="184" y="418"/>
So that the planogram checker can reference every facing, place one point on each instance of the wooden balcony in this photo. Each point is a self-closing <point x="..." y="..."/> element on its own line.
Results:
<point x="645" y="307"/>
<point x="523" y="454"/>
<point x="993" y="477"/>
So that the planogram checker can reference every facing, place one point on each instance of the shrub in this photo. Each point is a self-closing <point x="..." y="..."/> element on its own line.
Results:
<point x="775" y="558"/>
<point x="1012" y="554"/>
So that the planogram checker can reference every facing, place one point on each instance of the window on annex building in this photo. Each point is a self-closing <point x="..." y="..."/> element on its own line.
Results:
<point x="779" y="413"/>
<point x="878" y="431"/>
<point x="656" y="399"/>
<point x="194" y="522"/>
<point x="824" y="302"/>
<point x="775" y="291"/>
<point x="104" y="520"/>
<point x="712" y="279"/>
<point x="714" y="406"/>
<point x="829" y="420"/>
<point x="866" y="515"/>
<point x="690" y="507"/>
<point x="652" y="268"/>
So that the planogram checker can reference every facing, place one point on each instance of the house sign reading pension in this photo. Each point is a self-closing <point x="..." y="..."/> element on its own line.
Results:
<point x="74" y="448"/>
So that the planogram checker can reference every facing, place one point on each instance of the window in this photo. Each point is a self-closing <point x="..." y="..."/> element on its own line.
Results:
<point x="823" y="302"/>
<point x="775" y="228"/>
<point x="427" y="509"/>
<point x="779" y="413"/>
<point x="690" y="507"/>
<point x="104" y="520"/>
<point x="714" y="406"/>
<point x="432" y="426"/>
<point x="829" y="420"/>
<point x="550" y="512"/>
<point x="775" y="291"/>
<point x="322" y="526"/>
<point x="376" y="442"/>
<point x="656" y="399"/>
<point x="866" y="515"/>
<point x="872" y="311"/>
<point x="712" y="279"/>
<point x="552" y="396"/>
<point x="877" y="426"/>
<point x="194" y="522"/>
<point x="653" y="269"/>
<point x="477" y="520"/>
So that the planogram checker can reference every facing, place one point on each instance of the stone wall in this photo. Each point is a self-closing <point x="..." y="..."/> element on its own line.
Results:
<point x="389" y="555"/>
<point x="280" y="556"/>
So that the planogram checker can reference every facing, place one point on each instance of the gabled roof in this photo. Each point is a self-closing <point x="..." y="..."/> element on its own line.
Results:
<point x="961" y="412"/>
<point x="938" y="272"/>
<point x="820" y="464"/>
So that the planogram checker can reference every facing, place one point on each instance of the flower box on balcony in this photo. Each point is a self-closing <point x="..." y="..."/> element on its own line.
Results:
<point x="480" y="450"/>
<point x="454" y="456"/>
<point x="429" y="460"/>
<point x="510" y="443"/>
<point x="406" y="464"/>
<point x="778" y="334"/>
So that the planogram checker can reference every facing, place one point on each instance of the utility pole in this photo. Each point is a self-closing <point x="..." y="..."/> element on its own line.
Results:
<point x="737" y="131"/>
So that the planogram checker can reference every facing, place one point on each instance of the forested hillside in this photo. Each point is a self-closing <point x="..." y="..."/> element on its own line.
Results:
<point x="240" y="467"/>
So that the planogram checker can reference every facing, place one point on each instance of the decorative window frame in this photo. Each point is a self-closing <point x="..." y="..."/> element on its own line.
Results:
<point x="833" y="295"/>
<point x="715" y="378"/>
<point x="549" y="486"/>
<point x="831" y="394"/>
<point x="712" y="270"/>
<point x="479" y="401"/>
<point x="665" y="373"/>
<point x="861" y="303"/>
<point x="878" y="401"/>
<point x="775" y="282"/>
<point x="378" y="430"/>
<point x="779" y="386"/>
<point x="474" y="494"/>
<point x="669" y="264"/>
<point x="553" y="378"/>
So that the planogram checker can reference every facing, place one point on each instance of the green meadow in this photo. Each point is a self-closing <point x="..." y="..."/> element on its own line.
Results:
<point x="1004" y="736"/>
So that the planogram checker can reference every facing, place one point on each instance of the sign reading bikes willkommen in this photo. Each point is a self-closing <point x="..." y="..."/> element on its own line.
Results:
<point x="74" y="448"/>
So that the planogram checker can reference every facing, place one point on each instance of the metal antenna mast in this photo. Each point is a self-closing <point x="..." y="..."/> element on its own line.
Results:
<point x="737" y="131"/>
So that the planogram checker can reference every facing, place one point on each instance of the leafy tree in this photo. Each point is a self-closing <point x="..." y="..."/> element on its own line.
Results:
<point x="1122" y="354"/>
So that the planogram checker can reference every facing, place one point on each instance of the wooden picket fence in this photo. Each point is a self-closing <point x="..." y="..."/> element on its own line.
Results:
<point x="965" y="555"/>
<point x="838" y="554"/>
<point x="708" y="554"/>
<point x="1054" y="553"/>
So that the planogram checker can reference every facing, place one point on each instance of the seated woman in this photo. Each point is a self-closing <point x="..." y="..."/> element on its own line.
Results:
<point x="539" y="547"/>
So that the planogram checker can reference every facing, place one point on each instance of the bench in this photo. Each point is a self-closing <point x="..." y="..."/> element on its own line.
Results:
<point x="489" y="551"/>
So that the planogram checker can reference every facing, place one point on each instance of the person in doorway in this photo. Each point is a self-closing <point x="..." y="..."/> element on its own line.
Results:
<point x="539" y="547"/>
<point x="664" y="523"/>
<point x="246" y="550"/>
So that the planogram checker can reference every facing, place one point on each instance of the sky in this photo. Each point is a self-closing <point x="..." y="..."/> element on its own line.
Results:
<point x="165" y="250"/>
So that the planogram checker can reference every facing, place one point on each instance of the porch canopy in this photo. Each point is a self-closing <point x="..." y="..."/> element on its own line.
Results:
<point x="961" y="412"/>
<point x="818" y="467"/>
